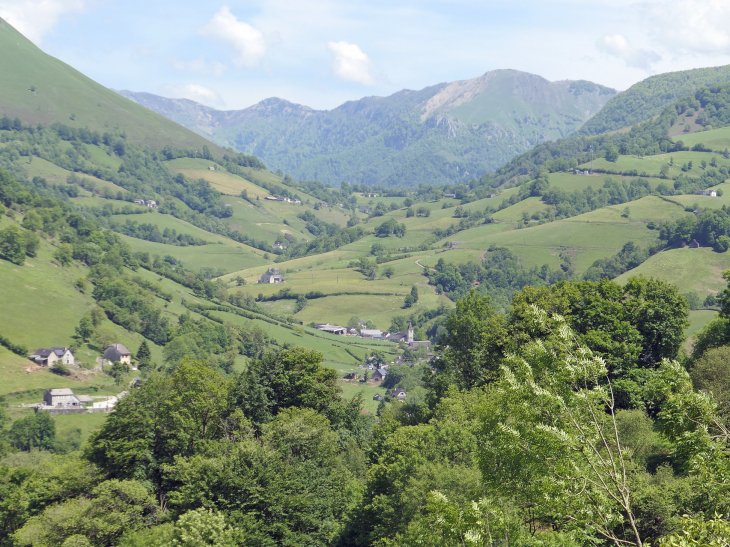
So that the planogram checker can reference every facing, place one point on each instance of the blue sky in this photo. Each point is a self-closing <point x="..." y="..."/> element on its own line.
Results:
<point x="322" y="53"/>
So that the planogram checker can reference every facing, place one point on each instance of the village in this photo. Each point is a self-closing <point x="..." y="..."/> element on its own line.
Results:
<point x="64" y="400"/>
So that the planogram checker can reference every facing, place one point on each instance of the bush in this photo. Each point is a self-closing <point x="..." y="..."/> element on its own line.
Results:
<point x="60" y="369"/>
<point x="18" y="349"/>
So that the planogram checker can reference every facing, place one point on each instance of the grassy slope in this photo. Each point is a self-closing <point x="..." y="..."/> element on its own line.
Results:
<point x="61" y="91"/>
<point x="690" y="269"/>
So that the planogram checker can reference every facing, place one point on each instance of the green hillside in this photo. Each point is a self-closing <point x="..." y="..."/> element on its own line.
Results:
<point x="649" y="97"/>
<point x="38" y="88"/>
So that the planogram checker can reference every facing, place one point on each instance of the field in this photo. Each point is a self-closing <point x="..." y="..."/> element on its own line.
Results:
<point x="716" y="139"/>
<point x="652" y="165"/>
<point x="697" y="270"/>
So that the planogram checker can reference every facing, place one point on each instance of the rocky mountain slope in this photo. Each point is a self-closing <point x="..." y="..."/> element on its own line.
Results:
<point x="444" y="133"/>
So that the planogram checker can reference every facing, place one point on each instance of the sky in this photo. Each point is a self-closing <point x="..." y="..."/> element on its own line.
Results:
<point x="321" y="53"/>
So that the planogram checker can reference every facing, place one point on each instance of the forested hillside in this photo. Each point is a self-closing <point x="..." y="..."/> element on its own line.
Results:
<point x="445" y="133"/>
<point x="649" y="97"/>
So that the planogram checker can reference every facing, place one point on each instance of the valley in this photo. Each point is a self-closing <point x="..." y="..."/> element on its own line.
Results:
<point x="529" y="280"/>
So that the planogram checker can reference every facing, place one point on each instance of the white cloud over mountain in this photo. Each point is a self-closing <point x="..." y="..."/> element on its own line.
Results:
<point x="617" y="45"/>
<point x="248" y="43"/>
<point x="350" y="63"/>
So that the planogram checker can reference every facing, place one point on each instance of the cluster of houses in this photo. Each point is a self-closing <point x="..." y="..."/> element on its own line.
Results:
<point x="581" y="172"/>
<point x="285" y="200"/>
<point x="151" y="203"/>
<point x="397" y="393"/>
<point x="378" y="376"/>
<point x="376" y="334"/>
<point x="47" y="357"/>
<point x="711" y="193"/>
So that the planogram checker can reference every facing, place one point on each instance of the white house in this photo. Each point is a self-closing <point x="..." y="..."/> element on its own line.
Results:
<point x="48" y="357"/>
<point x="711" y="193"/>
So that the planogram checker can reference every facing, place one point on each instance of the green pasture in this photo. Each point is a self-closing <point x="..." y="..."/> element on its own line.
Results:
<point x="716" y="139"/>
<point x="230" y="257"/>
<point x="572" y="183"/>
<point x="653" y="164"/>
<point x="698" y="319"/>
<point x="689" y="269"/>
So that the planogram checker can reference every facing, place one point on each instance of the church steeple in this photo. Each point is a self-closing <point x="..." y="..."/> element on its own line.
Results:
<point x="410" y="333"/>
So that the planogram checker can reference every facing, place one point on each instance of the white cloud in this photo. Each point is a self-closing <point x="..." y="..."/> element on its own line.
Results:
<point x="689" y="26"/>
<point x="248" y="42"/>
<point x="199" y="65"/>
<point x="351" y="63"/>
<point x="36" y="18"/>
<point x="617" y="45"/>
<point x="197" y="93"/>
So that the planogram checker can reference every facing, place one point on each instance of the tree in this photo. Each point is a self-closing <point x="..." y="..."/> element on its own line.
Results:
<point x="32" y="221"/>
<point x="85" y="328"/>
<point x="552" y="438"/>
<point x="414" y="293"/>
<point x="33" y="432"/>
<point x="711" y="374"/>
<point x="64" y="254"/>
<point x="473" y="345"/>
<point x="389" y="271"/>
<point x="12" y="245"/>
<point x="612" y="153"/>
<point x="143" y="355"/>
<point x="423" y="212"/>
<point x="112" y="508"/>
<point x="31" y="242"/>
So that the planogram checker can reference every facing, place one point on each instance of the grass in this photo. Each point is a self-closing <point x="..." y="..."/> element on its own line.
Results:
<point x="697" y="270"/>
<point x="62" y="94"/>
<point x="571" y="183"/>
<point x="230" y="257"/>
<point x="717" y="139"/>
<point x="653" y="164"/>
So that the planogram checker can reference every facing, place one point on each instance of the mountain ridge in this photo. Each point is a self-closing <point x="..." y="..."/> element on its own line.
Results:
<point x="452" y="130"/>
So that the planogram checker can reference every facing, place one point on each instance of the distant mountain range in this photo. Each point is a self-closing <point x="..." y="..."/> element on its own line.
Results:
<point x="445" y="133"/>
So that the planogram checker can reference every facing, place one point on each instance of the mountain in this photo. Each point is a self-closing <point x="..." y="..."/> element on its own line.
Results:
<point x="38" y="88"/>
<point x="445" y="133"/>
<point x="649" y="97"/>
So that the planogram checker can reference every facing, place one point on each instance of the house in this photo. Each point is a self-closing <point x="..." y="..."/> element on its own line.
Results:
<point x="377" y="397"/>
<point x="60" y="397"/>
<point x="492" y="195"/>
<point x="379" y="374"/>
<point x="456" y="243"/>
<point x="449" y="195"/>
<point x="139" y="201"/>
<point x="85" y="399"/>
<point x="211" y="168"/>
<point x="399" y="393"/>
<point x="48" y="357"/>
<point x="694" y="244"/>
<point x="353" y="332"/>
<point x="278" y="246"/>
<point x="117" y="352"/>
<point x="375" y="334"/>
<point x="151" y="203"/>
<point x="352" y="376"/>
<point x="711" y="193"/>
<point x="272" y="275"/>
<point x="332" y="329"/>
